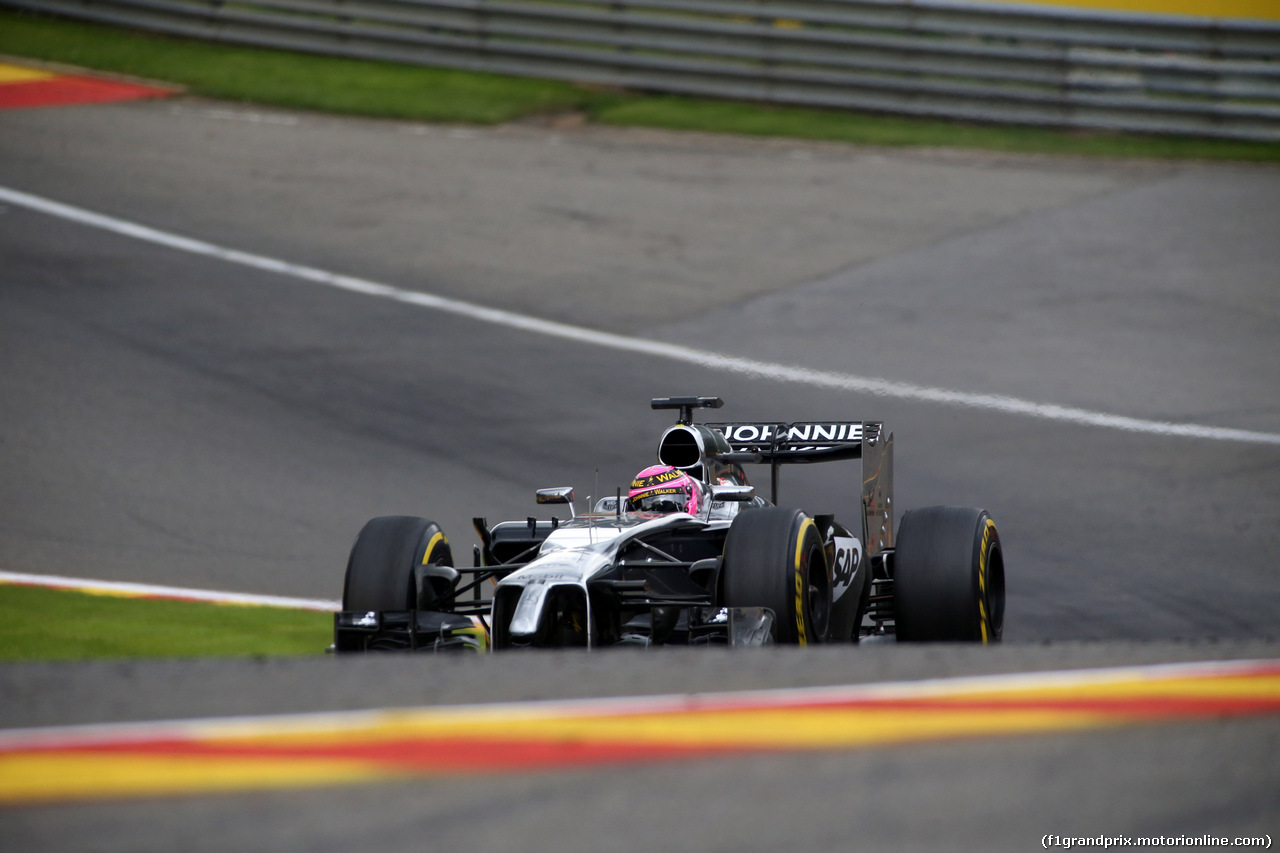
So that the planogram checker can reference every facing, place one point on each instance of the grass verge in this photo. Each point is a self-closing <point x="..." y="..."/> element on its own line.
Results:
<point x="50" y="624"/>
<point x="860" y="128"/>
<point x="388" y="90"/>
<point x="280" y="78"/>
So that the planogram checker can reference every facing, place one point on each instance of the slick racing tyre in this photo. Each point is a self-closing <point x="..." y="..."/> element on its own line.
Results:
<point x="380" y="571"/>
<point x="948" y="576"/>
<point x="773" y="557"/>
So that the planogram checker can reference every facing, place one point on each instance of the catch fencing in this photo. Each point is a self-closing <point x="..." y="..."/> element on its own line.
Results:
<point x="983" y="62"/>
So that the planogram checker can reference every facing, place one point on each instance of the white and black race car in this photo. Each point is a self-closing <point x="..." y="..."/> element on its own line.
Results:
<point x="739" y="570"/>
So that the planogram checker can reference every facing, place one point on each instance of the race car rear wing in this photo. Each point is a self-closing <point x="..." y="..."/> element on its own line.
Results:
<point x="779" y="443"/>
<point x="712" y="447"/>
<point x="776" y="444"/>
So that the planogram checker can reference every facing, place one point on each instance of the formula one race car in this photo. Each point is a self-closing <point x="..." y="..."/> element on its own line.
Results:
<point x="690" y="555"/>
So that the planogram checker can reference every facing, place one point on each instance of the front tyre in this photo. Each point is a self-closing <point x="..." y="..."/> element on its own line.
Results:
<point x="774" y="558"/>
<point x="380" y="569"/>
<point x="948" y="576"/>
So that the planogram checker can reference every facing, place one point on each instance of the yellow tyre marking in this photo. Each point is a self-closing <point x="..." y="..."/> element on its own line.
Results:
<point x="800" y="584"/>
<point x="439" y="537"/>
<point x="983" y="620"/>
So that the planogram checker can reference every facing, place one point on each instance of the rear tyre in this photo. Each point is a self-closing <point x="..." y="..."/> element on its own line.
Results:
<point x="948" y="576"/>
<point x="380" y="568"/>
<point x="773" y="557"/>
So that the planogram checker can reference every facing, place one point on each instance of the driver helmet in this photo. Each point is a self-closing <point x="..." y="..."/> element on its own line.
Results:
<point x="661" y="488"/>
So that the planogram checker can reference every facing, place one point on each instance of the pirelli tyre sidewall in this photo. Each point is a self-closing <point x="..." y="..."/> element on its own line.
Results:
<point x="380" y="569"/>
<point x="948" y="576"/>
<point x="774" y="558"/>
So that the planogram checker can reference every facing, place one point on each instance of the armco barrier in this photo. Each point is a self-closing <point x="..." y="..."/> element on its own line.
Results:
<point x="998" y="63"/>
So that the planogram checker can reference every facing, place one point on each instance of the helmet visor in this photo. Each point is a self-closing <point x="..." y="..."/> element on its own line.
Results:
<point x="660" y="500"/>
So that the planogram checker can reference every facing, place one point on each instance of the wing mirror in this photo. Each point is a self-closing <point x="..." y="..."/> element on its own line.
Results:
<point x="733" y="493"/>
<point x="560" y="495"/>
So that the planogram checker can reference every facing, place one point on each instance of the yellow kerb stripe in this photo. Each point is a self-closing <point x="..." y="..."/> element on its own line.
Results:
<point x="18" y="74"/>
<point x="43" y="777"/>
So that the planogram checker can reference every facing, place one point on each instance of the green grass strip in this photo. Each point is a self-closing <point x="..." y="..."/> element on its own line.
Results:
<point x="865" y="129"/>
<point x="285" y="79"/>
<point x="390" y="90"/>
<point x="40" y="624"/>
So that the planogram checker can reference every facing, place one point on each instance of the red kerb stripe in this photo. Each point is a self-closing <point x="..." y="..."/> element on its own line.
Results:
<point x="73" y="90"/>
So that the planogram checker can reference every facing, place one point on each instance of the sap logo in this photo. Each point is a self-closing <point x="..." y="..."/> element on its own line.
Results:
<point x="848" y="557"/>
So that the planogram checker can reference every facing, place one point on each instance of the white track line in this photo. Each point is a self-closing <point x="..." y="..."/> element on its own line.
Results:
<point x="642" y="346"/>
<point x="142" y="590"/>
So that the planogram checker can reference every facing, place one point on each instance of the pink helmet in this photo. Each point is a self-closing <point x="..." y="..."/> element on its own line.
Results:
<point x="661" y="488"/>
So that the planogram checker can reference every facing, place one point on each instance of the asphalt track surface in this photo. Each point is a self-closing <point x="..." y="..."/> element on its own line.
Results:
<point x="179" y="419"/>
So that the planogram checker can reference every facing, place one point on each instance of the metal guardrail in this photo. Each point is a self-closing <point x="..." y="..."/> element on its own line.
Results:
<point x="1006" y="63"/>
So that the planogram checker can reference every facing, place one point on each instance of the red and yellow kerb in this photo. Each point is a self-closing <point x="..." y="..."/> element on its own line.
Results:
<point x="31" y="87"/>
<point x="73" y="763"/>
